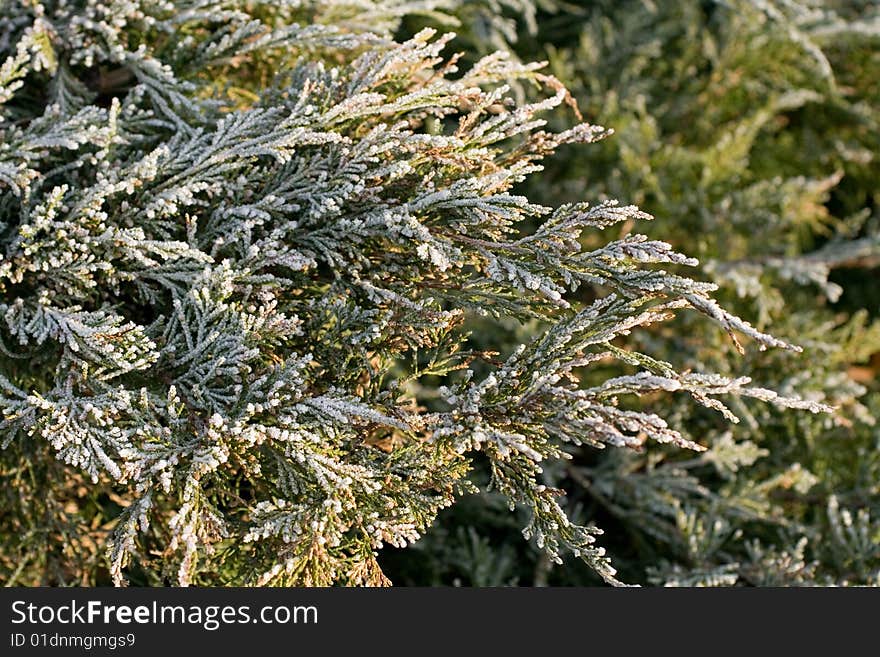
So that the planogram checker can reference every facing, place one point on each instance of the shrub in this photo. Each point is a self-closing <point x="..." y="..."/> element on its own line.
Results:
<point x="750" y="129"/>
<point x="243" y="243"/>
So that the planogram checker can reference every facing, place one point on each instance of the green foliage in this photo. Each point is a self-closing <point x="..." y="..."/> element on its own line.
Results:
<point x="750" y="130"/>
<point x="278" y="291"/>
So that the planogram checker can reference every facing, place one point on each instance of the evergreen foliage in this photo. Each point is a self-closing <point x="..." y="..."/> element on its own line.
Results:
<point x="272" y="299"/>
<point x="751" y="130"/>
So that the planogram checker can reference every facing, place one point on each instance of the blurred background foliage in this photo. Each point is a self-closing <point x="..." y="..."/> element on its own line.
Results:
<point x="750" y="130"/>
